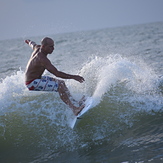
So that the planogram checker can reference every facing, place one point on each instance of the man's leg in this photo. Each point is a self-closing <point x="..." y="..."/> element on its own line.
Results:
<point x="67" y="98"/>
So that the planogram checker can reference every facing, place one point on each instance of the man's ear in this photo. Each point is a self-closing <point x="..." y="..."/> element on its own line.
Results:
<point x="42" y="46"/>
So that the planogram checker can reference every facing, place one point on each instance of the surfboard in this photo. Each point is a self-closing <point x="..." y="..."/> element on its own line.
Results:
<point x="88" y="104"/>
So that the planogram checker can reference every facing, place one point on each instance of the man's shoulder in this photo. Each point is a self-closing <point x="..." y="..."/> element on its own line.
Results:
<point x="36" y="51"/>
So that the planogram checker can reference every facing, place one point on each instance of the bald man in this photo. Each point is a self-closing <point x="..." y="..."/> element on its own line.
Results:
<point x="36" y="66"/>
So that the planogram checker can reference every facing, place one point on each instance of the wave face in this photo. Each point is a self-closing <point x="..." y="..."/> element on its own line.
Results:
<point x="125" y="123"/>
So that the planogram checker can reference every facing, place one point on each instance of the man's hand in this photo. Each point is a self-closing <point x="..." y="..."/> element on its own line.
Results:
<point x="79" y="78"/>
<point x="27" y="41"/>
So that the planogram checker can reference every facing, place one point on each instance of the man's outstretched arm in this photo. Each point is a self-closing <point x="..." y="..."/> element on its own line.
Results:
<point x="32" y="44"/>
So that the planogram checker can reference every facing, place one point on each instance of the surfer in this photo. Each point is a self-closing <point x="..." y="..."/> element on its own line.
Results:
<point x="36" y="66"/>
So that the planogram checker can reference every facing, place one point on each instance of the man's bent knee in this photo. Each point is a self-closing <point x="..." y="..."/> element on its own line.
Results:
<point x="61" y="84"/>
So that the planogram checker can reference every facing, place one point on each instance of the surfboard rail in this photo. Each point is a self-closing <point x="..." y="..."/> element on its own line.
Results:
<point x="88" y="104"/>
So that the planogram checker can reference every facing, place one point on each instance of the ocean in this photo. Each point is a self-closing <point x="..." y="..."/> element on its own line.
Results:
<point x="123" y="71"/>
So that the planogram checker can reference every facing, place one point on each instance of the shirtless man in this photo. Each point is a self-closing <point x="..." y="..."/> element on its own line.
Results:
<point x="36" y="67"/>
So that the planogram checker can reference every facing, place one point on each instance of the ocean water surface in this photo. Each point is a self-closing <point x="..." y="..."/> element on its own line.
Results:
<point x="123" y="71"/>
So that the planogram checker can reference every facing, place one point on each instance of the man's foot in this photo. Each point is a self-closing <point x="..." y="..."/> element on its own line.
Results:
<point x="79" y="109"/>
<point x="82" y="100"/>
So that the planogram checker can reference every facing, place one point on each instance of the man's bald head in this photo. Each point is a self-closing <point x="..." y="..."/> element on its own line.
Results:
<point x="46" y="41"/>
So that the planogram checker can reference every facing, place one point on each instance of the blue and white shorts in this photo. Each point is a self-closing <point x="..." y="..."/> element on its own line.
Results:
<point x="46" y="83"/>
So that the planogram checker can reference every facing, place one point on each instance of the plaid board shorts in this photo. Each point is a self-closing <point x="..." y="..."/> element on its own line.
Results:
<point x="46" y="83"/>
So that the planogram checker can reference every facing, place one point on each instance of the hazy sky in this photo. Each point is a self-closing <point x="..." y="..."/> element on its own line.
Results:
<point x="25" y="18"/>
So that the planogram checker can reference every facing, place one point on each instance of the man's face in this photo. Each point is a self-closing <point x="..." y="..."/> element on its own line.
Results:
<point x="49" y="47"/>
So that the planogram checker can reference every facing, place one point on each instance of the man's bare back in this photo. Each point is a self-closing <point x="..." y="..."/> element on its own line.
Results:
<point x="34" y="69"/>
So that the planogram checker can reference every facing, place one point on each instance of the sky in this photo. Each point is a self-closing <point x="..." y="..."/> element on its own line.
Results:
<point x="26" y="18"/>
